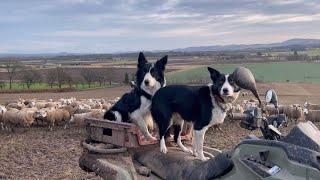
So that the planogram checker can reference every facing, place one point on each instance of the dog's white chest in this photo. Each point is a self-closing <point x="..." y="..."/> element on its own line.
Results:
<point x="217" y="116"/>
<point x="145" y="105"/>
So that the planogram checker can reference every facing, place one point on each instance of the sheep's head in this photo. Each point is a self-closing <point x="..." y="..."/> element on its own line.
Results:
<point x="81" y="107"/>
<point x="71" y="119"/>
<point x="306" y="104"/>
<point x="40" y="114"/>
<point x="2" y="109"/>
<point x="32" y="104"/>
<point x="238" y="108"/>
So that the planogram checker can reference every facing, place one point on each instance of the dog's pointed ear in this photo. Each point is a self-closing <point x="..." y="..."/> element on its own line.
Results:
<point x="141" y="60"/>
<point x="161" y="63"/>
<point x="213" y="73"/>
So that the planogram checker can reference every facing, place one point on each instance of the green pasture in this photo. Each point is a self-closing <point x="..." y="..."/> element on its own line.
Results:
<point x="266" y="72"/>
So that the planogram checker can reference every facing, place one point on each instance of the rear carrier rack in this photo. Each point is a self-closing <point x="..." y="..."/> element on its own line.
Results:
<point x="120" y="133"/>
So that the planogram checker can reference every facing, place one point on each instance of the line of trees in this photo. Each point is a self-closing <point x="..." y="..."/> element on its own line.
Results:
<point x="58" y="76"/>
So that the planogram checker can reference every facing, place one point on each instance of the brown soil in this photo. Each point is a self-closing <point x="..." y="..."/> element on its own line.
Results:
<point x="37" y="153"/>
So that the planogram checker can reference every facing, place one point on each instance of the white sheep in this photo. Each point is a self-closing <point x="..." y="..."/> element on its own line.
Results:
<point x="3" y="109"/>
<point x="310" y="106"/>
<point x="312" y="115"/>
<point x="18" y="105"/>
<point x="13" y="118"/>
<point x="54" y="116"/>
<point x="113" y="101"/>
<point x="296" y="112"/>
<point x="249" y="105"/>
<point x="78" y="119"/>
<point x="237" y="109"/>
<point x="106" y="105"/>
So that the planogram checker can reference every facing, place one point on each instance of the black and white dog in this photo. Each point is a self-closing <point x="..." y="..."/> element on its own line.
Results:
<point x="135" y="105"/>
<point x="203" y="105"/>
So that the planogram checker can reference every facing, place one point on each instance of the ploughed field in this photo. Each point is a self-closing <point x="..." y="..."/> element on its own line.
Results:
<point x="36" y="153"/>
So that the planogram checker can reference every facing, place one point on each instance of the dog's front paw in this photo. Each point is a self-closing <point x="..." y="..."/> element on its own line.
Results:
<point x="203" y="158"/>
<point x="194" y="153"/>
<point x="187" y="150"/>
<point x="152" y="138"/>
<point x="163" y="149"/>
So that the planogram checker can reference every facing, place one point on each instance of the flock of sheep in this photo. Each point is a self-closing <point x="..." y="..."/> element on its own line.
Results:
<point x="295" y="112"/>
<point x="26" y="113"/>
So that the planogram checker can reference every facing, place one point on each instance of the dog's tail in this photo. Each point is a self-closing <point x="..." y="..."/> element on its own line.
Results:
<point x="110" y="115"/>
<point x="176" y="131"/>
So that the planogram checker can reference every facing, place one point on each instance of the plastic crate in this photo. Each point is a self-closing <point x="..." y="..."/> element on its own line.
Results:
<point x="120" y="134"/>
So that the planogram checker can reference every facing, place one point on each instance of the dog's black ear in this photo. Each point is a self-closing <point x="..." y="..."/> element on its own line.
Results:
<point x="161" y="63"/>
<point x="213" y="73"/>
<point x="141" y="60"/>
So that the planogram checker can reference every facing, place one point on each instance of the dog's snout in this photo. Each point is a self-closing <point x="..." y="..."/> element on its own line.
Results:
<point x="225" y="91"/>
<point x="147" y="82"/>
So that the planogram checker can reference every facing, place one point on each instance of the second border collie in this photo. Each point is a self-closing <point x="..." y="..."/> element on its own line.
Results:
<point x="135" y="105"/>
<point x="204" y="106"/>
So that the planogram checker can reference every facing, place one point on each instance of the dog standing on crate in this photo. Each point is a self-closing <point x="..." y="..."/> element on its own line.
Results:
<point x="135" y="105"/>
<point x="204" y="106"/>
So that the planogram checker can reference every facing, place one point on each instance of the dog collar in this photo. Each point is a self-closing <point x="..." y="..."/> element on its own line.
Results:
<point x="219" y="101"/>
<point x="143" y="93"/>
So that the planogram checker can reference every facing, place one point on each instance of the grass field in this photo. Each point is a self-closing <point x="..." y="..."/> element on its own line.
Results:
<point x="266" y="72"/>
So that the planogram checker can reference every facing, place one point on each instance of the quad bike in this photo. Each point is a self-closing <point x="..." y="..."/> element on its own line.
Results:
<point x="271" y="157"/>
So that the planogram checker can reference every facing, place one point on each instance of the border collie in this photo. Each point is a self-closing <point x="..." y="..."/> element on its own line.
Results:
<point x="135" y="105"/>
<point x="204" y="106"/>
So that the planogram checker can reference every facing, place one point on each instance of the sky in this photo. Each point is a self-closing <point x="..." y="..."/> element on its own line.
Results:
<point x="105" y="26"/>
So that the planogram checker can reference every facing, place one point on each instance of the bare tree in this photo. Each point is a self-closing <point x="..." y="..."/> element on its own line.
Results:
<point x="58" y="76"/>
<point x="2" y="85"/>
<point x="109" y="74"/>
<point x="89" y="75"/>
<point x="51" y="77"/>
<point x="100" y="76"/>
<point x="61" y="77"/>
<point x="78" y="80"/>
<point x="69" y="80"/>
<point x="30" y="76"/>
<point x="12" y="68"/>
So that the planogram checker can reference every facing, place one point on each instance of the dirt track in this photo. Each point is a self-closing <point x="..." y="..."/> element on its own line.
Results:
<point x="40" y="154"/>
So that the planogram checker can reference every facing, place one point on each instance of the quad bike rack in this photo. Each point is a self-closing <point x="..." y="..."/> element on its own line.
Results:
<point x="118" y="151"/>
<point x="110" y="149"/>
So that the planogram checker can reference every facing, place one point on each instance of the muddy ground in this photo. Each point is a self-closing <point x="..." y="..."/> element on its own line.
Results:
<point x="36" y="153"/>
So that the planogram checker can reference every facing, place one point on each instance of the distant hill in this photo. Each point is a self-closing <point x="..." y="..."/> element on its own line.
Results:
<point x="299" y="44"/>
<point x="236" y="47"/>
